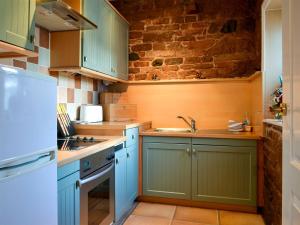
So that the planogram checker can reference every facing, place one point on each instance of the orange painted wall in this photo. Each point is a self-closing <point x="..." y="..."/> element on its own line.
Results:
<point x="211" y="104"/>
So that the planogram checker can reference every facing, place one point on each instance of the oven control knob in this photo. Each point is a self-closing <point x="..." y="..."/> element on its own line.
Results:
<point x="78" y="139"/>
<point x="85" y="139"/>
<point x="91" y="139"/>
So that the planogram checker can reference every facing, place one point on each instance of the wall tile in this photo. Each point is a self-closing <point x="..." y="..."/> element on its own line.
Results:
<point x="37" y="36"/>
<point x="32" y="67"/>
<point x="90" y="97"/>
<point x="95" y="98"/>
<point x="84" y="97"/>
<point x="78" y="81"/>
<point x="70" y="95"/>
<point x="62" y="95"/>
<point x="72" y="109"/>
<point x="20" y="64"/>
<point x="62" y="80"/>
<point x="43" y="69"/>
<point x="8" y="62"/>
<point x="44" y="57"/>
<point x="78" y="96"/>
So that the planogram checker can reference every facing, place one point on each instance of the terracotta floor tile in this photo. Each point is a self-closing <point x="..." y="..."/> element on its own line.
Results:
<point x="235" y="218"/>
<point x="145" y="220"/>
<point x="181" y="222"/>
<point x="206" y="216"/>
<point x="155" y="210"/>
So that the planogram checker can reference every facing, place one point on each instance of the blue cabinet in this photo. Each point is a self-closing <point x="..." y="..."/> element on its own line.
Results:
<point x="132" y="172"/>
<point x="120" y="183"/>
<point x="68" y="194"/>
<point x="126" y="175"/>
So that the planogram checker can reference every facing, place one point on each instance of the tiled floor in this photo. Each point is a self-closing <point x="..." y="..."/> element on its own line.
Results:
<point x="157" y="214"/>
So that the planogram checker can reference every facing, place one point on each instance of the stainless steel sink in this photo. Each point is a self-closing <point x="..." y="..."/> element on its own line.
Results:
<point x="178" y="130"/>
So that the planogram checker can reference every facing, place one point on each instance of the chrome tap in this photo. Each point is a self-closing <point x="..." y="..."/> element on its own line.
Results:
<point x="191" y="124"/>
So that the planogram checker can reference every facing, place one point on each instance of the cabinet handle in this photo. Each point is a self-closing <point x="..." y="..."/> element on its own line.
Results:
<point x="188" y="150"/>
<point x="84" y="58"/>
<point x="132" y="136"/>
<point x="128" y="155"/>
<point x="194" y="150"/>
<point x="117" y="161"/>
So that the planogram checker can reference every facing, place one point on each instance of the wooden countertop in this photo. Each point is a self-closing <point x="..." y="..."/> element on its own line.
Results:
<point x="112" y="125"/>
<point x="65" y="157"/>
<point x="205" y="134"/>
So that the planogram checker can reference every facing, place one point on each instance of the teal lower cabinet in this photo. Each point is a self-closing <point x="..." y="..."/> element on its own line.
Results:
<point x="207" y="170"/>
<point x="132" y="172"/>
<point x="68" y="195"/>
<point x="224" y="174"/>
<point x="126" y="180"/>
<point x="167" y="169"/>
<point x="120" y="184"/>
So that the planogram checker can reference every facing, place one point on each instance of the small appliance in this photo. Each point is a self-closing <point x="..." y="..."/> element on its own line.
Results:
<point x="91" y="113"/>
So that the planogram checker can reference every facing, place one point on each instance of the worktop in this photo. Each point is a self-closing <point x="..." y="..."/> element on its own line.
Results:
<point x="65" y="157"/>
<point x="112" y="125"/>
<point x="204" y="134"/>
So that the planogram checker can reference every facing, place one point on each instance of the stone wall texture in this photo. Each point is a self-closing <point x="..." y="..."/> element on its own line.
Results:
<point x="184" y="39"/>
<point x="272" y="174"/>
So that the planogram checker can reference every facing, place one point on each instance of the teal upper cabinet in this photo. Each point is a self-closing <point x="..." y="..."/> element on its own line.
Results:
<point x="96" y="43"/>
<point x="224" y="174"/>
<point x="17" y="23"/>
<point x="105" y="49"/>
<point x="119" y="47"/>
<point x="167" y="170"/>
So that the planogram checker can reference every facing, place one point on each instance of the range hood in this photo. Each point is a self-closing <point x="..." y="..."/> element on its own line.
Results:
<point x="56" y="15"/>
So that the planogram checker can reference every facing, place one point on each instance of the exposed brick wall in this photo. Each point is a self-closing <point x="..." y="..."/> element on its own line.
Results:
<point x="182" y="39"/>
<point x="273" y="174"/>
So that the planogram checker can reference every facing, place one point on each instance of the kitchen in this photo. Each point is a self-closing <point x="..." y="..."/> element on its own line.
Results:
<point x="149" y="112"/>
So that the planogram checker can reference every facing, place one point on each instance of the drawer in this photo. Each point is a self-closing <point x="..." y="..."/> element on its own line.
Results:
<point x="224" y="142"/>
<point x="132" y="136"/>
<point x="68" y="169"/>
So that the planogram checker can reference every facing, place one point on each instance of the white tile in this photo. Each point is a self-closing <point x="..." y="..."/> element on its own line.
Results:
<point x="63" y="80"/>
<point x="44" y="57"/>
<point x="71" y="82"/>
<point x="7" y="62"/>
<point x="77" y="96"/>
<point x="84" y="97"/>
<point x="84" y="83"/>
<point x="89" y="84"/>
<point x="32" y="67"/>
<point x="61" y="95"/>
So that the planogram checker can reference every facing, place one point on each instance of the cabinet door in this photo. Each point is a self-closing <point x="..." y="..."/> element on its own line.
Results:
<point x="68" y="200"/>
<point x="224" y="174"/>
<point x="167" y="170"/>
<point x="96" y="43"/>
<point x="120" y="184"/>
<point x="17" y="22"/>
<point x="132" y="172"/>
<point x="119" y="47"/>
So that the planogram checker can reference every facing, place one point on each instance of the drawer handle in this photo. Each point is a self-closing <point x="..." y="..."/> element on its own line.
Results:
<point x="188" y="150"/>
<point x="132" y="137"/>
<point x="117" y="161"/>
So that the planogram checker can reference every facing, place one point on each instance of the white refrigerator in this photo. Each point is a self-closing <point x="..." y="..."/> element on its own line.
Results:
<point x="28" y="148"/>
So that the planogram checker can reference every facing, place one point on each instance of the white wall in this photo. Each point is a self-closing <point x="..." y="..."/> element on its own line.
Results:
<point x="272" y="55"/>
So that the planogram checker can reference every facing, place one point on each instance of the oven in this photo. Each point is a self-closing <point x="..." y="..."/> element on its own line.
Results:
<point x="97" y="187"/>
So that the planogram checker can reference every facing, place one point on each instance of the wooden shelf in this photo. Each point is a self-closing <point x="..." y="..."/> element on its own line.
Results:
<point x="88" y="73"/>
<point x="12" y="51"/>
<point x="178" y="81"/>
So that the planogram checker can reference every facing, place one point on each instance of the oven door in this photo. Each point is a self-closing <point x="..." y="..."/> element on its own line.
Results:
<point x="97" y="197"/>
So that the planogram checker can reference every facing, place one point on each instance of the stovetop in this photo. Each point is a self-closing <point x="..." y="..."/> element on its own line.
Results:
<point x="76" y="143"/>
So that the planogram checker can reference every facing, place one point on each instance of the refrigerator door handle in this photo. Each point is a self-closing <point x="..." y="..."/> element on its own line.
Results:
<point x="26" y="164"/>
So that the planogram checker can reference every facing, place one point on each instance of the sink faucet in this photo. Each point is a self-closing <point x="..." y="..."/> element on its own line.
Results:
<point x="192" y="124"/>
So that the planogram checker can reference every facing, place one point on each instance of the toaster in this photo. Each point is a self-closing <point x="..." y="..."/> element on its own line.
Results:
<point x="91" y="113"/>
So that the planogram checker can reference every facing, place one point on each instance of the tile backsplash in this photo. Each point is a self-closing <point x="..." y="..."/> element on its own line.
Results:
<point x="72" y="89"/>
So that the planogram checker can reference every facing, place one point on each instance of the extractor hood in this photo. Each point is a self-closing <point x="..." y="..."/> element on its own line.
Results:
<point x="56" y="15"/>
